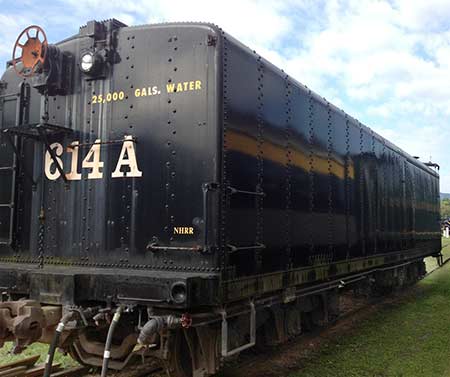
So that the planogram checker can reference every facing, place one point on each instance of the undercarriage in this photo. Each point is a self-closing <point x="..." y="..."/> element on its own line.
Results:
<point x="185" y="344"/>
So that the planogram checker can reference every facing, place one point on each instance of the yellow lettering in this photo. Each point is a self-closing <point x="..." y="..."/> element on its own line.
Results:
<point x="137" y="93"/>
<point x="170" y="88"/>
<point x="183" y="230"/>
<point x="179" y="87"/>
<point x="144" y="92"/>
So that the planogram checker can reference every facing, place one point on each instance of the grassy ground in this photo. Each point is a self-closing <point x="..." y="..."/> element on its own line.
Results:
<point x="406" y="339"/>
<point x="35" y="349"/>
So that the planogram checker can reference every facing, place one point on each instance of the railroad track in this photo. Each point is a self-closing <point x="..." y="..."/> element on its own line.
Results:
<point x="28" y="368"/>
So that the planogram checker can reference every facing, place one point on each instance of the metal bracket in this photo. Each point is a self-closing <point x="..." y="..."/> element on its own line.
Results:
<point x="120" y="141"/>
<point x="207" y="188"/>
<point x="137" y="299"/>
<point x="440" y="259"/>
<point x="432" y="165"/>
<point x="234" y="248"/>
<point x="225" y="351"/>
<point x="233" y="190"/>
<point x="39" y="132"/>
<point x="153" y="246"/>
<point x="212" y="40"/>
<point x="32" y="131"/>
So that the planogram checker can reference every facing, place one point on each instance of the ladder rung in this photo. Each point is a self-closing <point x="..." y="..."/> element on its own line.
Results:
<point x="9" y="95"/>
<point x="6" y="205"/>
<point x="3" y="168"/>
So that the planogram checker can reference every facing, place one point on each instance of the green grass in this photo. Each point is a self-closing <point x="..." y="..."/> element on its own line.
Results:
<point x="35" y="349"/>
<point x="406" y="339"/>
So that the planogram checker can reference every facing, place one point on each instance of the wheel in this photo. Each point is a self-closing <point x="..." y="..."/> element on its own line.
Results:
<point x="180" y="362"/>
<point x="32" y="43"/>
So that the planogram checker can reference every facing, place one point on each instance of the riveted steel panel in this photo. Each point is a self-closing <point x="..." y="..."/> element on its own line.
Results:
<point x="240" y="171"/>
<point x="300" y="171"/>
<point x="159" y="88"/>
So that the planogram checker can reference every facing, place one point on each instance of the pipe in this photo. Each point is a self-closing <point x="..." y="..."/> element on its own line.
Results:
<point x="109" y="338"/>
<point x="55" y="341"/>
<point x="153" y="326"/>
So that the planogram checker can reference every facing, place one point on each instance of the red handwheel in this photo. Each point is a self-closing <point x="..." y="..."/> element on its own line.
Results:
<point x="32" y="43"/>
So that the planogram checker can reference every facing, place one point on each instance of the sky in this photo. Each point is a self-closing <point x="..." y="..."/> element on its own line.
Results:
<point x="387" y="63"/>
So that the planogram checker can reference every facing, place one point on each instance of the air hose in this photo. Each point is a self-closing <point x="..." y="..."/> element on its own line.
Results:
<point x="109" y="338"/>
<point x="55" y="341"/>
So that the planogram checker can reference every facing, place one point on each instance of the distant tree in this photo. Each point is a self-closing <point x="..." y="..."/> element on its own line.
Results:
<point x="445" y="208"/>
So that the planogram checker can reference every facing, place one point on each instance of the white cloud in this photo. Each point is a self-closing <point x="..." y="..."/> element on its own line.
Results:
<point x="255" y="22"/>
<point x="423" y="15"/>
<point x="11" y="26"/>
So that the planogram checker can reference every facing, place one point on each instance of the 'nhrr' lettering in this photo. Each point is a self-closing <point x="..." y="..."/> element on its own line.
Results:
<point x="183" y="230"/>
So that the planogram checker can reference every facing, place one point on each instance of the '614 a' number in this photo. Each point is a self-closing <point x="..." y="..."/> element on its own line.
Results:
<point x="126" y="166"/>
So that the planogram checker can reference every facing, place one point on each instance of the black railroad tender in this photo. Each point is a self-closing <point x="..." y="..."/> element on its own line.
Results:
<point x="168" y="175"/>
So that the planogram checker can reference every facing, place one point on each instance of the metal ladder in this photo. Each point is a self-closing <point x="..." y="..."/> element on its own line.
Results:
<point x="225" y="351"/>
<point x="8" y="173"/>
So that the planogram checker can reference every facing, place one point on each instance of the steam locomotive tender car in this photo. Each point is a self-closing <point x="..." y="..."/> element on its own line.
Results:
<point x="168" y="187"/>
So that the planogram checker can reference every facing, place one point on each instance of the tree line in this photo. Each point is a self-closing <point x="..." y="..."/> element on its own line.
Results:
<point x="445" y="208"/>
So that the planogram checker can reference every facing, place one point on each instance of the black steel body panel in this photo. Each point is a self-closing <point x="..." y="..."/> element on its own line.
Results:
<point x="111" y="221"/>
<point x="270" y="177"/>
<point x="333" y="189"/>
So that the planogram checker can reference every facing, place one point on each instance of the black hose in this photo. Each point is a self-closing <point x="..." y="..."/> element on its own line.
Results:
<point x="55" y="341"/>
<point x="109" y="338"/>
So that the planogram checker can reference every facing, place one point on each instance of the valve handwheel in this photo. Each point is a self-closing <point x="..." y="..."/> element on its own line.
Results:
<point x="34" y="51"/>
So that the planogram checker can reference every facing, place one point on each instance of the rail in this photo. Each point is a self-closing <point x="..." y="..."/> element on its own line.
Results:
<point x="28" y="367"/>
